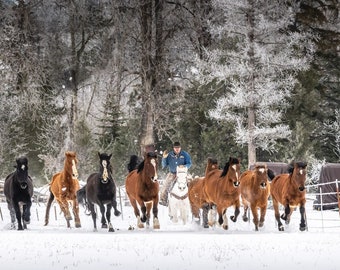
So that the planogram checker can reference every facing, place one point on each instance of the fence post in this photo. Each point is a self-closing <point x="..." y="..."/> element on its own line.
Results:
<point x="321" y="204"/>
<point x="337" y="194"/>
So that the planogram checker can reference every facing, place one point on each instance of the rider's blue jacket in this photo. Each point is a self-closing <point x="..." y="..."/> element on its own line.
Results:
<point x="173" y="160"/>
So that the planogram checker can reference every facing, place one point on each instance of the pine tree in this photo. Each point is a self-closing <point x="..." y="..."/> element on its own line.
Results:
<point x="258" y="54"/>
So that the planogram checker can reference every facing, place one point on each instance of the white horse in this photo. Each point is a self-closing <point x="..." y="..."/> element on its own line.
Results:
<point x="179" y="205"/>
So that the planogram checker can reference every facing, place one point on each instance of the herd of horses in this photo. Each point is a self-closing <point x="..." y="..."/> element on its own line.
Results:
<point x="207" y="197"/>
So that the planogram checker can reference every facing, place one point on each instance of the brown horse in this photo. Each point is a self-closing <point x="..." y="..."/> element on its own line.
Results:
<point x="196" y="195"/>
<point x="289" y="190"/>
<point x="142" y="187"/>
<point x="63" y="188"/>
<point x="254" y="188"/>
<point x="221" y="188"/>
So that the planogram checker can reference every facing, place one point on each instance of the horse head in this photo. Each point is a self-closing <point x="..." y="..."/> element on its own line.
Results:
<point x="182" y="177"/>
<point x="149" y="166"/>
<point x="298" y="172"/>
<point x="71" y="162"/>
<point x="22" y="172"/>
<point x="232" y="171"/>
<point x="105" y="167"/>
<point x="261" y="175"/>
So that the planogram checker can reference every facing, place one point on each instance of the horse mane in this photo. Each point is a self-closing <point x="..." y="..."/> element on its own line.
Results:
<point x="231" y="161"/>
<point x="300" y="164"/>
<point x="141" y="165"/>
<point x="270" y="174"/>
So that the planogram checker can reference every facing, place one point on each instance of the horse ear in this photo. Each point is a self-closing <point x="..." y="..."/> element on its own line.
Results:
<point x="99" y="154"/>
<point x="110" y="156"/>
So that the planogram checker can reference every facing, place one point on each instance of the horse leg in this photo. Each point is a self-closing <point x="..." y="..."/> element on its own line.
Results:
<point x="287" y="214"/>
<point x="18" y="215"/>
<point x="156" y="224"/>
<point x="236" y="212"/>
<point x="27" y="212"/>
<point x="263" y="210"/>
<point x="147" y="213"/>
<point x="303" y="217"/>
<point x="245" y="213"/>
<point x="205" y="212"/>
<point x="76" y="213"/>
<point x="211" y="215"/>
<point x="12" y="214"/>
<point x="103" y="219"/>
<point x="277" y="214"/>
<point x="255" y="216"/>
<point x="94" y="215"/>
<point x="137" y="213"/>
<point x="116" y="211"/>
<point x="224" y="219"/>
<point x="64" y="208"/>
<point x="108" y="216"/>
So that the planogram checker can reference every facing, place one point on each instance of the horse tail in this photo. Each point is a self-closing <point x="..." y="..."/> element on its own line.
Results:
<point x="81" y="196"/>
<point x="49" y="203"/>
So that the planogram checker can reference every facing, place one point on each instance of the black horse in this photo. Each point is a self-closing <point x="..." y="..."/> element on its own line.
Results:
<point x="18" y="189"/>
<point x="100" y="189"/>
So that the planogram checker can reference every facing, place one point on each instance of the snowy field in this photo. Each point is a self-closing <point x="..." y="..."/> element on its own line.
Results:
<point x="174" y="246"/>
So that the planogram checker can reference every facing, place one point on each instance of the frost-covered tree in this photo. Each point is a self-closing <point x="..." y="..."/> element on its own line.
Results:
<point x="257" y="55"/>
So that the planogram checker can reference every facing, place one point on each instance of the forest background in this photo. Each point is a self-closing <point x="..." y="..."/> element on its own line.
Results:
<point x="251" y="79"/>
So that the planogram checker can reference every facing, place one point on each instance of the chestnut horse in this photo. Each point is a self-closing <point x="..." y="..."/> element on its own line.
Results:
<point x="100" y="189"/>
<point x="254" y="188"/>
<point x="196" y="195"/>
<point x="63" y="188"/>
<point x="289" y="190"/>
<point x="221" y="188"/>
<point x="142" y="187"/>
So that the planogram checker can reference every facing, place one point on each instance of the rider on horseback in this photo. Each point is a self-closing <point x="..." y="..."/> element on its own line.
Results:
<point x="174" y="158"/>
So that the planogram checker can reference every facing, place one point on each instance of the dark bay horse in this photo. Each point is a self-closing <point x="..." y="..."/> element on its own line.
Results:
<point x="289" y="190"/>
<point x="100" y="189"/>
<point x="221" y="188"/>
<point x="255" y="190"/>
<point x="18" y="189"/>
<point x="196" y="196"/>
<point x="63" y="188"/>
<point x="142" y="188"/>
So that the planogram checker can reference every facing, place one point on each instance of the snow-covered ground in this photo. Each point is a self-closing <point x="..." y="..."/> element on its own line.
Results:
<point x="174" y="246"/>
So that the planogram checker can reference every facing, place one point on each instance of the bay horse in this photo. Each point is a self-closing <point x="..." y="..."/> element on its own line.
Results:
<point x="289" y="190"/>
<point x="100" y="189"/>
<point x="63" y="188"/>
<point x="18" y="189"/>
<point x="142" y="188"/>
<point x="179" y="206"/>
<point x="221" y="188"/>
<point x="254" y="188"/>
<point x="196" y="195"/>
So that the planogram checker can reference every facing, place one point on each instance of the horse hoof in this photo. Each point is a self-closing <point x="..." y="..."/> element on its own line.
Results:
<point x="302" y="229"/>
<point x="78" y="225"/>
<point x="117" y="213"/>
<point x="156" y="226"/>
<point x="233" y="218"/>
<point x="111" y="230"/>
<point x="104" y="226"/>
<point x="281" y="229"/>
<point x="245" y="219"/>
<point x="225" y="227"/>
<point x="206" y="226"/>
<point x="143" y="219"/>
<point x="141" y="225"/>
<point x="283" y="217"/>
